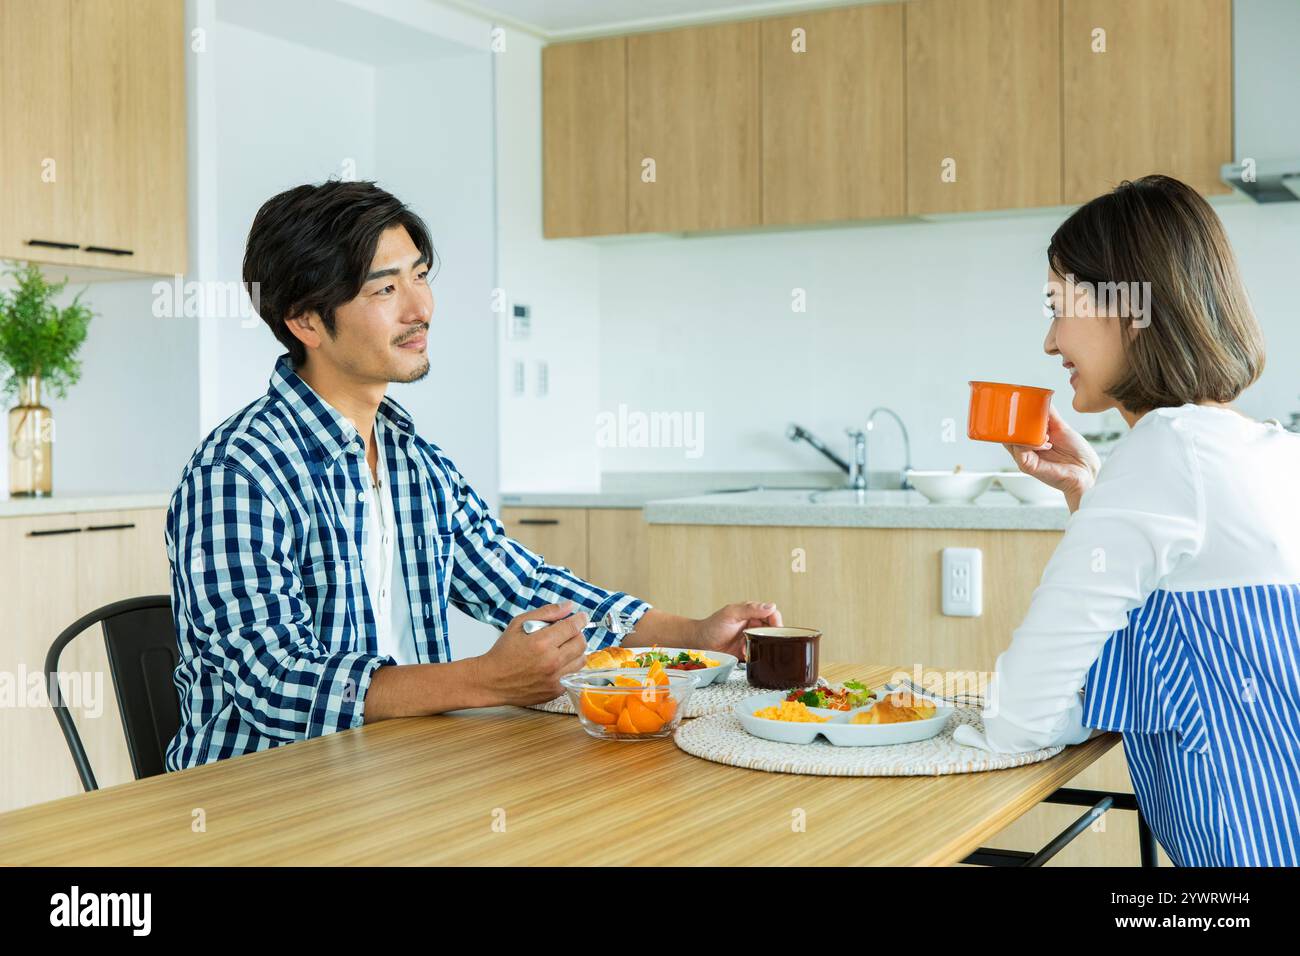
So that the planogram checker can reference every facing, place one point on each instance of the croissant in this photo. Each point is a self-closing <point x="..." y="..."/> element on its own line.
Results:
<point x="890" y="710"/>
<point x="608" y="657"/>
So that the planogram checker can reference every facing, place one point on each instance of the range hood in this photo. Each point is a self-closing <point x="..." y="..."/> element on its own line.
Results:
<point x="1266" y="101"/>
<point x="1276" y="180"/>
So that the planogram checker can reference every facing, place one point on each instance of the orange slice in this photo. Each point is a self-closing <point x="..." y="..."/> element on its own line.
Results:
<point x="625" y="724"/>
<point x="667" y="707"/>
<point x="593" y="711"/>
<point x="643" y="717"/>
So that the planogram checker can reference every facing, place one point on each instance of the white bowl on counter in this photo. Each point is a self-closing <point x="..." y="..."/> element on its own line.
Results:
<point x="951" y="487"/>
<point x="1028" y="489"/>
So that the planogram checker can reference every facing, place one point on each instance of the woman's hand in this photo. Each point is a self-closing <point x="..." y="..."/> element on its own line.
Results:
<point x="1065" y="461"/>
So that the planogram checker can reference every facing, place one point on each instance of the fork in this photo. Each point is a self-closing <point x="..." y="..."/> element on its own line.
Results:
<point x="617" y="624"/>
<point x="908" y="685"/>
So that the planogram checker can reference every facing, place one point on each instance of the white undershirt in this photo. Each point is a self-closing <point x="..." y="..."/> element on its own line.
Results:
<point x="1193" y="498"/>
<point x="382" y="570"/>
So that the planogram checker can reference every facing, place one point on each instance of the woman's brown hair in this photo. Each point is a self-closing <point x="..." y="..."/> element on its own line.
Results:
<point x="1196" y="339"/>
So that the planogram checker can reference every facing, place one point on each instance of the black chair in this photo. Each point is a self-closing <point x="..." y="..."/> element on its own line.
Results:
<point x="140" y="638"/>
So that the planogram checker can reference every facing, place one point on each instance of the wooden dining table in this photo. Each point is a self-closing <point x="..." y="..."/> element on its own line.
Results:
<point x="509" y="785"/>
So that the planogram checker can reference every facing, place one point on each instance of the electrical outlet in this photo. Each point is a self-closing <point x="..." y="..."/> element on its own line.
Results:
<point x="962" y="582"/>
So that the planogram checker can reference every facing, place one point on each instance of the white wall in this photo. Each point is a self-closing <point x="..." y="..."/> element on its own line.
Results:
<point x="546" y="442"/>
<point x="287" y="115"/>
<point x="128" y="425"/>
<point x="900" y="315"/>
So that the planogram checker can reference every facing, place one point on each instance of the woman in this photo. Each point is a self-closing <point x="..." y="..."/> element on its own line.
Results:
<point x="1173" y="598"/>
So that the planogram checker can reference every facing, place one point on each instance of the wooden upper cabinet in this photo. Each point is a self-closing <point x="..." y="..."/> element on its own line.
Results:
<point x="983" y="103"/>
<point x="92" y="108"/>
<point x="1157" y="100"/>
<point x="584" y="138"/>
<point x="129" y="114"/>
<point x="37" y="170"/>
<point x="833" y="112"/>
<point x="693" y="109"/>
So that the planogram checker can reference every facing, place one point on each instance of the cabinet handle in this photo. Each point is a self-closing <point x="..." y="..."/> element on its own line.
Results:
<point x="43" y="534"/>
<point x="51" y="244"/>
<point x="110" y="251"/>
<point x="539" y="521"/>
<point x="110" y="527"/>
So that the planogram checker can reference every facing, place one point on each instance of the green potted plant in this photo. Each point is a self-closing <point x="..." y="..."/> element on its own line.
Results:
<point x="39" y="343"/>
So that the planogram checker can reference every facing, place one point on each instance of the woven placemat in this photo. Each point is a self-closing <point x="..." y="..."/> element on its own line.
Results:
<point x="722" y="739"/>
<point x="715" y="698"/>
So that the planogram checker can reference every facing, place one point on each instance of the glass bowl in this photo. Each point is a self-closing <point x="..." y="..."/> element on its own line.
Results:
<point x="613" y="711"/>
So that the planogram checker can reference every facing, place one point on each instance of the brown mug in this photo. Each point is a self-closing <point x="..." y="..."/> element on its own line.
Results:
<point x="782" y="658"/>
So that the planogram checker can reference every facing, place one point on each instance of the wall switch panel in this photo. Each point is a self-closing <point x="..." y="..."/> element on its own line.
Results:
<point x="962" y="582"/>
<point x="518" y="378"/>
<point x="521" y="323"/>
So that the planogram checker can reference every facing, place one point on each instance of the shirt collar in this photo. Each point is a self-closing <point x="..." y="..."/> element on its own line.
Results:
<point x="325" y="425"/>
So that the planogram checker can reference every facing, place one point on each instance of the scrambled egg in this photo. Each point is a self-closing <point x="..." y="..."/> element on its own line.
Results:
<point x="793" y="710"/>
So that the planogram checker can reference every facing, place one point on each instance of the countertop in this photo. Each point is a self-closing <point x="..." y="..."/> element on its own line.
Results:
<point x="633" y="489"/>
<point x="64" y="502"/>
<point x="841" y="508"/>
<point x="428" y="790"/>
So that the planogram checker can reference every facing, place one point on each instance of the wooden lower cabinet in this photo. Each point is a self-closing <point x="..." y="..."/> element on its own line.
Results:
<point x="875" y="595"/>
<point x="558" y="534"/>
<point x="618" y="551"/>
<point x="606" y="546"/>
<point x="47" y="581"/>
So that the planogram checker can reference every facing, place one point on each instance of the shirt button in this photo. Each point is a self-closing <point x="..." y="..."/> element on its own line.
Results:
<point x="361" y="496"/>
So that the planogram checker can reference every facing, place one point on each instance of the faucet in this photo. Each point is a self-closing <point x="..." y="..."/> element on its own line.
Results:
<point x="907" y="444"/>
<point x="799" y="433"/>
<point x="857" y="471"/>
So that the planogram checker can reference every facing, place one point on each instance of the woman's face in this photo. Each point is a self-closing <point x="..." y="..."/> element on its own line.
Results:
<point x="1089" y="344"/>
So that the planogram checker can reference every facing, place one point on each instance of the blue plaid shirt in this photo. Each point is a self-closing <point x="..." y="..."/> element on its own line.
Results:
<point x="265" y="536"/>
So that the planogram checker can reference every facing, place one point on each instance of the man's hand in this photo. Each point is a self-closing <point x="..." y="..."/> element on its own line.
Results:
<point x="724" y="629"/>
<point x="526" y="668"/>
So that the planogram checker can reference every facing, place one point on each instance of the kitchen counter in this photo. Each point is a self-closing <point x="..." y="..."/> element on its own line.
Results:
<point x="994" y="510"/>
<point x="65" y="502"/>
<point x="634" y="489"/>
<point x="427" y="790"/>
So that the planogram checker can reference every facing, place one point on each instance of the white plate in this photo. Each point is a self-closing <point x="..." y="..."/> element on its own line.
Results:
<point x="707" y="675"/>
<point x="838" y="730"/>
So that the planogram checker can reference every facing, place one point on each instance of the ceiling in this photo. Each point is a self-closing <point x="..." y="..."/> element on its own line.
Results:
<point x="567" y="18"/>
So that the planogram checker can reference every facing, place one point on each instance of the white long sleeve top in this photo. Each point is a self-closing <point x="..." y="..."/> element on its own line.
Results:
<point x="1192" y="498"/>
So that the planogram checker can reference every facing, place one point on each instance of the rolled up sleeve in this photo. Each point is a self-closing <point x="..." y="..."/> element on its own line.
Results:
<point x="496" y="578"/>
<point x="246" y="614"/>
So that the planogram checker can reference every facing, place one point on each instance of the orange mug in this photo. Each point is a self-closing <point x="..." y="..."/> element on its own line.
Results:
<point x="1011" y="414"/>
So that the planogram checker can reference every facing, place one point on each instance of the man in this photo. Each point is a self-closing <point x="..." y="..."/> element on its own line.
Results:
<point x="316" y="540"/>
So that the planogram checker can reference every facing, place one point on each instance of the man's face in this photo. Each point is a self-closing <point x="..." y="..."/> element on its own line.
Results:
<point x="380" y="336"/>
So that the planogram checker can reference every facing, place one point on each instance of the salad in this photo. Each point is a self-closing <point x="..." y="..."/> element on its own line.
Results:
<point x="846" y="696"/>
<point x="681" y="661"/>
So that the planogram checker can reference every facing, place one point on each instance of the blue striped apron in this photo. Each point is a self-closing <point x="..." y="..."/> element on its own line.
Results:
<point x="1205" y="688"/>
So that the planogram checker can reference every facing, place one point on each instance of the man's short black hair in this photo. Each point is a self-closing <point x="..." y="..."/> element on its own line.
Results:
<point x="311" y="247"/>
